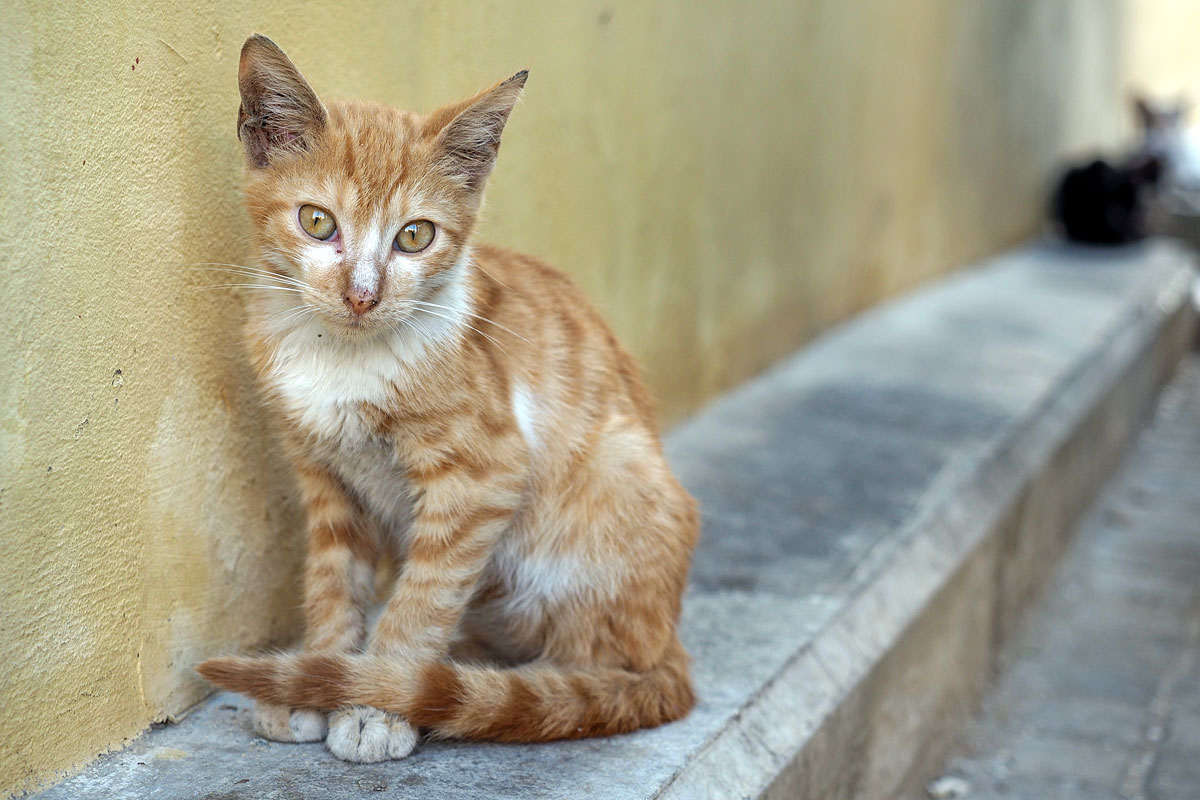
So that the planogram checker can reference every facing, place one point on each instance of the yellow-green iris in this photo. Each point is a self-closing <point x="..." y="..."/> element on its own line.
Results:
<point x="415" y="236"/>
<point x="317" y="222"/>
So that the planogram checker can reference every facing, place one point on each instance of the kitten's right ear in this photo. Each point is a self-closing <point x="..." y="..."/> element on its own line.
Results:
<point x="280" y="113"/>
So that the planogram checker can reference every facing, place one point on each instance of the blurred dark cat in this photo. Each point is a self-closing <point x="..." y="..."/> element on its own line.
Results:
<point x="1103" y="203"/>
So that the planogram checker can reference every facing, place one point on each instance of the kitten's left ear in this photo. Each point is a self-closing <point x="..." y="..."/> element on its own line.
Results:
<point x="1143" y="109"/>
<point x="280" y="113"/>
<point x="469" y="136"/>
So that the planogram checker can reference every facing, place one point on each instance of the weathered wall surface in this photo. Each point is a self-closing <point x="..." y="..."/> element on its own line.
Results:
<point x="724" y="180"/>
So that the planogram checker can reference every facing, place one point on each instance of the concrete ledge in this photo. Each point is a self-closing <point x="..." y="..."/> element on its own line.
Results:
<point x="877" y="511"/>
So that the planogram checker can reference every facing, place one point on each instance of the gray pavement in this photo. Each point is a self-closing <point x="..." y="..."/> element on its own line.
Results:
<point x="1099" y="695"/>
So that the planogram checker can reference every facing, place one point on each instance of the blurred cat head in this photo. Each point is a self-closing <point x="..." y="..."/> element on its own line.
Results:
<point x="1163" y="123"/>
<point x="1160" y="115"/>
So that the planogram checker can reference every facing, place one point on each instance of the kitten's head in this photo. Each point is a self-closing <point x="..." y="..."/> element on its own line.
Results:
<point x="368" y="207"/>
<point x="1160" y="119"/>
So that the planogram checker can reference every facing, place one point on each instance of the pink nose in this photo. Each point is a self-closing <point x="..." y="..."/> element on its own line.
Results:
<point x="361" y="300"/>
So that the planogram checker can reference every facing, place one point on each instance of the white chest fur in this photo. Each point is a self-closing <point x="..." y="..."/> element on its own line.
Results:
<point x="324" y="382"/>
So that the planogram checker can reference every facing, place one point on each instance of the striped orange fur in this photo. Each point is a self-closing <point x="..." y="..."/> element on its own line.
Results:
<point x="462" y="409"/>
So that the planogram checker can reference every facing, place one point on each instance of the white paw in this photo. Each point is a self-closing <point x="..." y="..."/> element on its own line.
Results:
<point x="283" y="724"/>
<point x="365" y="735"/>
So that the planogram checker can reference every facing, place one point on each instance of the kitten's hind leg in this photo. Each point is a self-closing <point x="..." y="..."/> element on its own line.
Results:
<point x="283" y="724"/>
<point x="365" y="735"/>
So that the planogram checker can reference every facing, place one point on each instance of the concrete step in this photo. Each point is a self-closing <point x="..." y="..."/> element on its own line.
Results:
<point x="1099" y="693"/>
<point x="877" y="510"/>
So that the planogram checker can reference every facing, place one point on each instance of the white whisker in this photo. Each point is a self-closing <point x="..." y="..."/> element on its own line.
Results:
<point x="464" y="324"/>
<point x="477" y="316"/>
<point x="250" y="272"/>
<point x="490" y="275"/>
<point x="245" y="286"/>
<point x="289" y="315"/>
<point x="409" y="324"/>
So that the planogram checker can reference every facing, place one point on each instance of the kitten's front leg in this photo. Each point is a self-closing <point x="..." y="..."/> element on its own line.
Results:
<point x="465" y="500"/>
<point x="364" y="735"/>
<point x="463" y="507"/>
<point x="339" y="583"/>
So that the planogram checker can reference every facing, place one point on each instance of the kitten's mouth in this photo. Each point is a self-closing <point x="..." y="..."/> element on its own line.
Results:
<point x="350" y="324"/>
<point x="357" y="324"/>
<point x="376" y="321"/>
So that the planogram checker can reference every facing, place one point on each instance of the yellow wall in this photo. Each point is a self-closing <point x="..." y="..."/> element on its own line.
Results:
<point x="726" y="179"/>
<point x="1162" y="58"/>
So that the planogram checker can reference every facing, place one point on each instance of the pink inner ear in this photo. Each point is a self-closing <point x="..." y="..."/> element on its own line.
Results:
<point x="288" y="136"/>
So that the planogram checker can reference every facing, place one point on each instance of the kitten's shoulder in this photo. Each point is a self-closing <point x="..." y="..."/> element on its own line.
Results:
<point x="522" y="273"/>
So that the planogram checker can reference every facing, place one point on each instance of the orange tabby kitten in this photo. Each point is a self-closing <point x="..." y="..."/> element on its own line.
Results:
<point x="463" y="408"/>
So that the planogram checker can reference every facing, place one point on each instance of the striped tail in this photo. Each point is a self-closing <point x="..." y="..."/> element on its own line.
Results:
<point x="535" y="702"/>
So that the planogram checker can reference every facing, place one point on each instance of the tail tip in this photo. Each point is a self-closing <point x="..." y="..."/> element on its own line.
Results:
<point x="218" y="671"/>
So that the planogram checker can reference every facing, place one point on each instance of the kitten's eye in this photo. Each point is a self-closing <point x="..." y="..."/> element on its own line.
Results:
<point x="415" y="236"/>
<point x="317" y="222"/>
